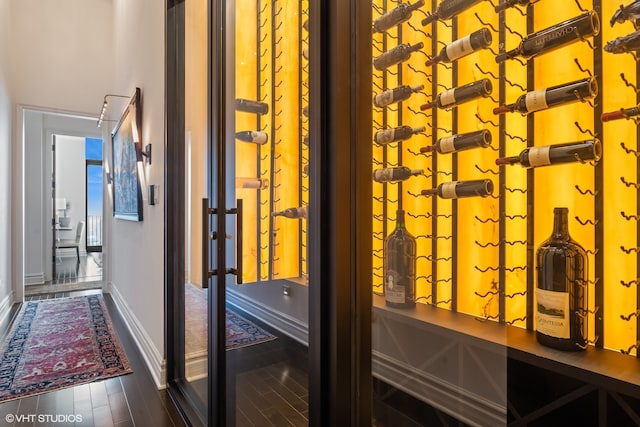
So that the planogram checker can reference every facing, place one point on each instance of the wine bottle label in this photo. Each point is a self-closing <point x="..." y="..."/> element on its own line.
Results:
<point x="536" y="100"/>
<point x="449" y="190"/>
<point x="552" y="313"/>
<point x="540" y="156"/>
<point x="446" y="144"/>
<point x="383" y="99"/>
<point x="259" y="137"/>
<point x="394" y="292"/>
<point x="383" y="175"/>
<point x="385" y="136"/>
<point x="459" y="48"/>
<point x="448" y="97"/>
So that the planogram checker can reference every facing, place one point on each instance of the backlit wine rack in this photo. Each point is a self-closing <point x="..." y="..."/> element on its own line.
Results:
<point x="476" y="255"/>
<point x="270" y="68"/>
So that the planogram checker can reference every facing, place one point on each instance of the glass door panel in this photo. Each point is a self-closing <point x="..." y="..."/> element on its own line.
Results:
<point x="266" y="137"/>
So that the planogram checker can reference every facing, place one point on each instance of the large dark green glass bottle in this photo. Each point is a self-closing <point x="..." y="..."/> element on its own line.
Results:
<point x="399" y="266"/>
<point x="561" y="293"/>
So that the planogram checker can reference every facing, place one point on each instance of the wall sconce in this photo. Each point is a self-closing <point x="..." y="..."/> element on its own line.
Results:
<point x="146" y="153"/>
<point x="105" y="104"/>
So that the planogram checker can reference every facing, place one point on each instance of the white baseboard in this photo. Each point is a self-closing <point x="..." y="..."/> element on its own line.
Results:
<point x="153" y="358"/>
<point x="5" y="306"/>
<point x="196" y="366"/>
<point x="284" y="323"/>
<point x="34" y="279"/>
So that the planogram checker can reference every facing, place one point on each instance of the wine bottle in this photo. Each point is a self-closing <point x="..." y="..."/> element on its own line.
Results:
<point x="399" y="266"/>
<point x="623" y="113"/>
<point x="511" y="3"/>
<point x="396" y="16"/>
<point x="396" y="55"/>
<point x="299" y="212"/>
<point x="249" y="106"/>
<point x="458" y="189"/>
<point x="581" y="151"/>
<point x="387" y="136"/>
<point x="397" y="94"/>
<point x="537" y="100"/>
<point x="255" y="136"/>
<point x="257" y="183"/>
<point x="462" y="141"/>
<point x="561" y="294"/>
<point x="452" y="97"/>
<point x="624" y="44"/>
<point x="447" y="9"/>
<point x="400" y="173"/>
<point x="477" y="40"/>
<point x="554" y="37"/>
<point x="626" y="13"/>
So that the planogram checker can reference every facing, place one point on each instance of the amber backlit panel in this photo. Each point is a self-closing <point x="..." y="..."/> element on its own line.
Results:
<point x="473" y="252"/>
<point x="617" y="163"/>
<point x="268" y="63"/>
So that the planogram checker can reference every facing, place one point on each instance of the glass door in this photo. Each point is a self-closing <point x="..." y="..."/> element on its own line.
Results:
<point x="264" y="186"/>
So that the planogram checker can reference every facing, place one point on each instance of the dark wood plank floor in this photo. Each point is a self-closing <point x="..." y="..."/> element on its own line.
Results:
<point x="127" y="400"/>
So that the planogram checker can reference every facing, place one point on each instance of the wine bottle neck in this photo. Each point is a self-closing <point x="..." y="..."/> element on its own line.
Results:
<point x="501" y="57"/>
<point x="509" y="108"/>
<point x="508" y="160"/>
<point x="561" y="223"/>
<point x="415" y="6"/>
<point x="400" y="219"/>
<point x="429" y="192"/>
<point x="433" y="60"/>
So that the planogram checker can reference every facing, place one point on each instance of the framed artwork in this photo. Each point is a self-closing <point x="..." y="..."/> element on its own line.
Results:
<point x="127" y="190"/>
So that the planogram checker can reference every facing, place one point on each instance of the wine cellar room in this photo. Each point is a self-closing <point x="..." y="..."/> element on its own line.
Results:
<point x="505" y="176"/>
<point x="505" y="181"/>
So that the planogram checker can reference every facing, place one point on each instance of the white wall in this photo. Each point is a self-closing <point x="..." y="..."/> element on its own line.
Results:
<point x="5" y="157"/>
<point x="66" y="55"/>
<point x="62" y="55"/>
<point x="136" y="254"/>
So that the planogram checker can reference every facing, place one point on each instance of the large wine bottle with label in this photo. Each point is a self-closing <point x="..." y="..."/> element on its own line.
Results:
<point x="580" y="90"/>
<point x="561" y="292"/>
<point x="399" y="266"/>
<point x="570" y="152"/>
<point x="554" y="37"/>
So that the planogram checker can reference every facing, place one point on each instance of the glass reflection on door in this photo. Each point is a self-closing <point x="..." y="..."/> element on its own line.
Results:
<point x="196" y="317"/>
<point x="266" y="131"/>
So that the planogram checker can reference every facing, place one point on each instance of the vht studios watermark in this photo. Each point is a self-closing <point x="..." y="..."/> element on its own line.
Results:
<point x="43" y="418"/>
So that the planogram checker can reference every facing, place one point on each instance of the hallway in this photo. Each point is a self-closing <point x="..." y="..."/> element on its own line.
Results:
<point x="127" y="400"/>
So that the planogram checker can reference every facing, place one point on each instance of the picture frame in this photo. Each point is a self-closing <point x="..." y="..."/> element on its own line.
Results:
<point x="127" y="188"/>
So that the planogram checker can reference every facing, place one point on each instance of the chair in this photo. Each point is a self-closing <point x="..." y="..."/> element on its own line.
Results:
<point x="75" y="243"/>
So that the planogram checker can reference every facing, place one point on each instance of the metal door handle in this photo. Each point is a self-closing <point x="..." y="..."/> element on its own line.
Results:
<point x="238" y="270"/>
<point x="206" y="237"/>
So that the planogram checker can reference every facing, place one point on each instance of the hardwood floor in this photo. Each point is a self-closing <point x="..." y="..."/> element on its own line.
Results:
<point x="127" y="400"/>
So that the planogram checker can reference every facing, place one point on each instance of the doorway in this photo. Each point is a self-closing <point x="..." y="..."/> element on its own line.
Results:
<point x="44" y="262"/>
<point x="77" y="196"/>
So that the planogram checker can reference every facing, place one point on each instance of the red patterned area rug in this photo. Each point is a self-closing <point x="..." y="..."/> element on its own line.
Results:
<point x="242" y="332"/>
<point x="59" y="343"/>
